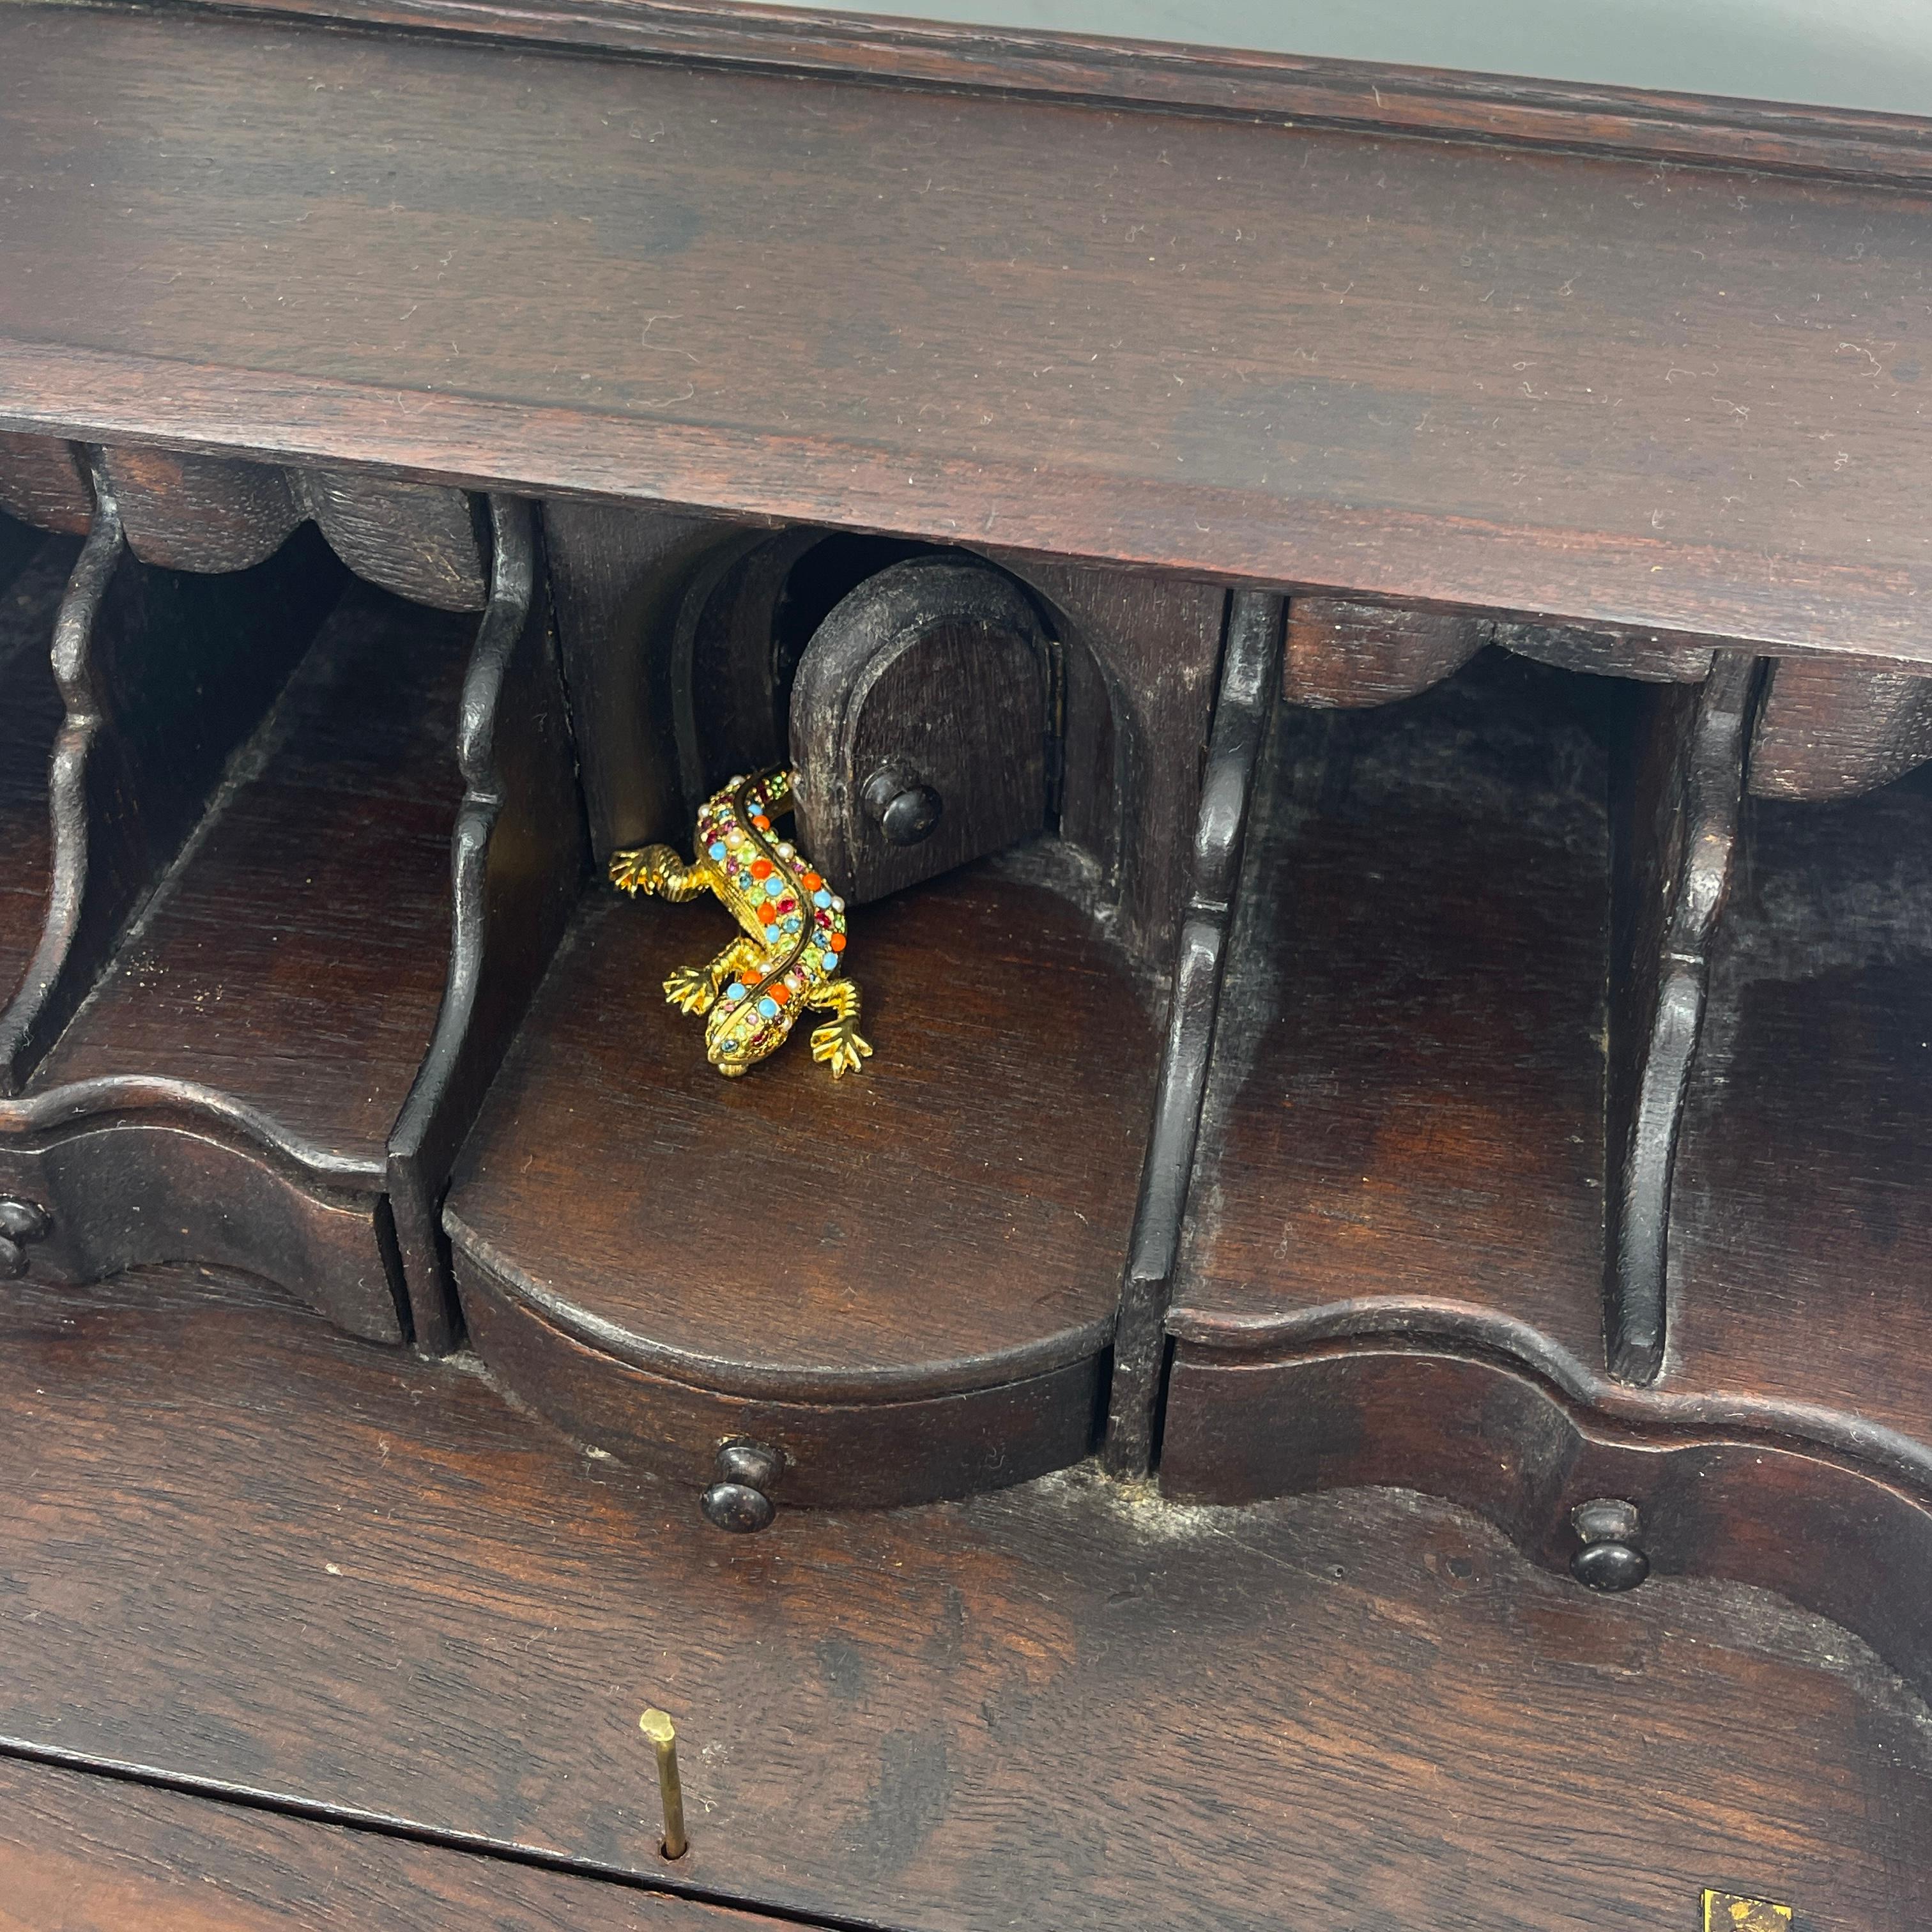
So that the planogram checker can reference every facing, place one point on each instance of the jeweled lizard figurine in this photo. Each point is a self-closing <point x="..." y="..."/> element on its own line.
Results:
<point x="794" y="931"/>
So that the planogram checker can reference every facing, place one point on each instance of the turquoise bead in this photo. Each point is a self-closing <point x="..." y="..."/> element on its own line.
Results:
<point x="768" y="1007"/>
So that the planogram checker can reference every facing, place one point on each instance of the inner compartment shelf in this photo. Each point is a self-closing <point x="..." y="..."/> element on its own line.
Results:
<point x="1801" y="1222"/>
<point x="295" y="959"/>
<point x="34" y="572"/>
<point x="1404" y="1121"/>
<point x="903" y="1281"/>
<point x="1403" y="1136"/>
<point x="227" y="1089"/>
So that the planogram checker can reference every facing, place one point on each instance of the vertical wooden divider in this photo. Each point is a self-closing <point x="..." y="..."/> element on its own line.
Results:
<point x="1674" y="815"/>
<point x="517" y="863"/>
<point x="1248" y="675"/>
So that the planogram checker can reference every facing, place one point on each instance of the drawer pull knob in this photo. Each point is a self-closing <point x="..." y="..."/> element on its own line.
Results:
<point x="21" y="1223"/>
<point x="738" y="1501"/>
<point x="1610" y="1558"/>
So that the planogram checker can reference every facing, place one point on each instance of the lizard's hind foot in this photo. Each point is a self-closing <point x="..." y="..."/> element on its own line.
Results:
<point x="838" y="1044"/>
<point x="690" y="989"/>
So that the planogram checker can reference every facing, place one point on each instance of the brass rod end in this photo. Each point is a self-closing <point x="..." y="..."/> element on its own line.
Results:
<point x="656" y="1725"/>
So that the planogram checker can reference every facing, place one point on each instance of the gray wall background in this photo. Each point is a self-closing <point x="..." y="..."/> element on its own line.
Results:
<point x="1838" y="53"/>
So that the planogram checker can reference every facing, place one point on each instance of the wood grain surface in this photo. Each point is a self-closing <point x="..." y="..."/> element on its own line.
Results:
<point x="1579" y="387"/>
<point x="295" y="960"/>
<point x="1802" y="1233"/>
<point x="242" y="1547"/>
<point x="1406" y="1107"/>
<point x="91" y="1854"/>
<point x="1834" y="729"/>
<point x="44" y="481"/>
<point x="953" y="1216"/>
<point x="1216" y="80"/>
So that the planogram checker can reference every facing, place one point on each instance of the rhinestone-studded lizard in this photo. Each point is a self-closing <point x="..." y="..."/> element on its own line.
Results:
<point x="794" y="938"/>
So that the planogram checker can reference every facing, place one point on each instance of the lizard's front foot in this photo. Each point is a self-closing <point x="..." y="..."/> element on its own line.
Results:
<point x="837" y="1043"/>
<point x="689" y="989"/>
<point x="641" y="869"/>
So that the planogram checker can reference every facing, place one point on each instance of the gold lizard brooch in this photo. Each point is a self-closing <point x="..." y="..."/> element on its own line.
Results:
<point x="794" y="938"/>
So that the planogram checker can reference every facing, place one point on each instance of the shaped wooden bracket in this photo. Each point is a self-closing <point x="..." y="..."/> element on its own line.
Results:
<point x="421" y="540"/>
<point x="1833" y="727"/>
<point x="517" y="859"/>
<point x="1675" y="812"/>
<point x="1240" y="719"/>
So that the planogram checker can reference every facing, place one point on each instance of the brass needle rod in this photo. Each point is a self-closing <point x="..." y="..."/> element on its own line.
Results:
<point x="656" y="1725"/>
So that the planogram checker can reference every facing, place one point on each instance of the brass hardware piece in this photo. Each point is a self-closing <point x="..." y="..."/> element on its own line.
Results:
<point x="656" y="1725"/>
<point x="1610" y="1558"/>
<point x="794" y="938"/>
<point x="1725" y="1912"/>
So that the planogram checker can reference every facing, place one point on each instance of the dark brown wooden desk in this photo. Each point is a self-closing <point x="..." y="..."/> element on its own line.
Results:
<point x="1432" y="1112"/>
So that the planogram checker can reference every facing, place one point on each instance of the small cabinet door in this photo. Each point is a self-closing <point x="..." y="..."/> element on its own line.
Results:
<point x="922" y="726"/>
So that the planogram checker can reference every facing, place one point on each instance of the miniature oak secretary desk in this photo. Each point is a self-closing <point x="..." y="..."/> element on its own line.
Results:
<point x="1043" y="925"/>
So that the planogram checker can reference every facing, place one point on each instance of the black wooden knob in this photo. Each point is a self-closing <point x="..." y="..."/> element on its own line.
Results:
<point x="1609" y="1557"/>
<point x="23" y="1220"/>
<point x="903" y="809"/>
<point x="13" y="1259"/>
<point x="738" y="1508"/>
<point x="737" y="1501"/>
<point x="1609" y="1566"/>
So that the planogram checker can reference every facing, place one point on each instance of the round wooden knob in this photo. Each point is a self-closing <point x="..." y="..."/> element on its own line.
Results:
<point x="1609" y="1559"/>
<point x="737" y="1501"/>
<point x="738" y="1508"/>
<point x="23" y="1220"/>
<point x="1609" y="1566"/>
<point x="902" y="807"/>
